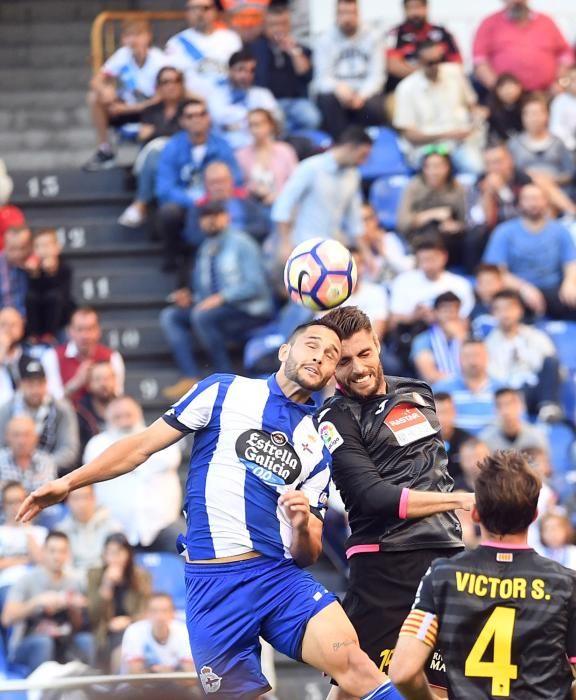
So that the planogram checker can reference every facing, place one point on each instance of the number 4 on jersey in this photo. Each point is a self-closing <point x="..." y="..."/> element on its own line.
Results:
<point x="498" y="629"/>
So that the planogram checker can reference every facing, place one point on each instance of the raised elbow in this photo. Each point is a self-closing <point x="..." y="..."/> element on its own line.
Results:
<point x="402" y="673"/>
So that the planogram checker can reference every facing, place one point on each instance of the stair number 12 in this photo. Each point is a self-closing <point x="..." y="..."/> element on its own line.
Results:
<point x="498" y="631"/>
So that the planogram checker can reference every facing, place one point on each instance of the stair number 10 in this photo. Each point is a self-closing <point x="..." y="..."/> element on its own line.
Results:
<point x="498" y="632"/>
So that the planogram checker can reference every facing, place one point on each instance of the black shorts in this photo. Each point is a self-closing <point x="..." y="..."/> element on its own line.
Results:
<point x="380" y="594"/>
<point x="123" y="119"/>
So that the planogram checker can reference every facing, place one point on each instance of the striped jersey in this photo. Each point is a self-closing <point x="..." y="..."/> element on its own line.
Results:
<point x="251" y="444"/>
<point x="505" y="620"/>
<point x="135" y="83"/>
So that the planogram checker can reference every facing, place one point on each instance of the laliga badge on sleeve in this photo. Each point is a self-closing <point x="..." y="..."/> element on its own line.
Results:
<point x="408" y="424"/>
<point x="330" y="436"/>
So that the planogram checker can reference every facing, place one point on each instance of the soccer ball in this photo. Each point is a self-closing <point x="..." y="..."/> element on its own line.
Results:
<point x="320" y="274"/>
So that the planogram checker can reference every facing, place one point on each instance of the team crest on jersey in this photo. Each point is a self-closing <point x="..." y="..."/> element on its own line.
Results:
<point x="330" y="436"/>
<point x="275" y="463"/>
<point x="210" y="681"/>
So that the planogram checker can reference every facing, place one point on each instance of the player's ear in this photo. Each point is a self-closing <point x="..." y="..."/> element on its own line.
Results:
<point x="283" y="352"/>
<point x="475" y="515"/>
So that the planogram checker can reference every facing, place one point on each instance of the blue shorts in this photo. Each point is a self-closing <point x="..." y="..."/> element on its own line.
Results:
<point x="229" y="606"/>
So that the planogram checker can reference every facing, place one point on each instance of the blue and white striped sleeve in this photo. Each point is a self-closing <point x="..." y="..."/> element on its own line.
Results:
<point x="194" y="410"/>
<point x="317" y="485"/>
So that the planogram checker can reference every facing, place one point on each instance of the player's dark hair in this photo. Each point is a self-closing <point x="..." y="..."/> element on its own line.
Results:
<point x="510" y="294"/>
<point x="242" y="56"/>
<point x="191" y="101"/>
<point x="429" y="242"/>
<point x="505" y="390"/>
<point x="349" y="320"/>
<point x="507" y="491"/>
<point x="443" y="396"/>
<point x="57" y="535"/>
<point x="447" y="298"/>
<point x="355" y="135"/>
<point x="315" y="322"/>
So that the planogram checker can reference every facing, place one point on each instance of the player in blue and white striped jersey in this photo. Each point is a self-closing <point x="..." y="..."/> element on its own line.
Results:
<point x="255" y="496"/>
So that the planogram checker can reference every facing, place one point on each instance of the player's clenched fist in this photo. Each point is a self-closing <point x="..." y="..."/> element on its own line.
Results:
<point x="297" y="508"/>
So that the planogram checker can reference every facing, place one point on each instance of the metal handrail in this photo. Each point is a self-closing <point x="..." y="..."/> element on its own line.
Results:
<point x="102" y="39"/>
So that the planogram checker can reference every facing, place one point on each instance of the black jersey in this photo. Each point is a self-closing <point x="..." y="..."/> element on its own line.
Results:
<point x="380" y="447"/>
<point x="505" y="621"/>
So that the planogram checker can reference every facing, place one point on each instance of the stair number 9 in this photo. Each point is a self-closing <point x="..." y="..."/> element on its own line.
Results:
<point x="498" y="631"/>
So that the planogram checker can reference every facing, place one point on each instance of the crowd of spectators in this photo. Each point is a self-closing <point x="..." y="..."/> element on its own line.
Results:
<point x="251" y="143"/>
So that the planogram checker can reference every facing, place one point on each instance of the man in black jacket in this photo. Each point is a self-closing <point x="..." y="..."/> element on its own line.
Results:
<point x="390" y="466"/>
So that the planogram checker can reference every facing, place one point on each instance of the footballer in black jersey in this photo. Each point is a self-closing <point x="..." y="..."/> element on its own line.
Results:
<point x="503" y="617"/>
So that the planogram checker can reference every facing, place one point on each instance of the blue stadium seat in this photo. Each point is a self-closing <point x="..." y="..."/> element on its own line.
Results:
<point x="563" y="334"/>
<point x="319" y="138"/>
<point x="385" y="196"/>
<point x="386" y="158"/>
<point x="561" y="438"/>
<point x="167" y="572"/>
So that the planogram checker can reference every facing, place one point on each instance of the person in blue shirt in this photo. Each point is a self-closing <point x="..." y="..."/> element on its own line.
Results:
<point x="229" y="296"/>
<point x="539" y="256"/>
<point x="180" y="174"/>
<point x="255" y="497"/>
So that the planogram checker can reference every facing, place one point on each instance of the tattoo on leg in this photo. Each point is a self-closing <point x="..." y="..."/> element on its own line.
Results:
<point x="338" y="645"/>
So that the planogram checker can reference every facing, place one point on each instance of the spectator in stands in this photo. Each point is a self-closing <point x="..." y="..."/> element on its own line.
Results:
<point x="159" y="643"/>
<point x="472" y="453"/>
<point x="233" y="99"/>
<point x="403" y="40"/>
<point x="146" y="502"/>
<point x="118" y="593"/>
<point x="11" y="336"/>
<point x="246" y="17"/>
<point x="322" y="198"/>
<point x="20" y="459"/>
<point x="20" y="544"/>
<point x="87" y="526"/>
<point x="203" y="50"/>
<point x="157" y="123"/>
<point x="55" y="420"/>
<point x="435" y="200"/>
<point x="124" y="87"/>
<point x="385" y="255"/>
<point x="521" y="41"/>
<point x="349" y="72"/>
<point x="413" y="292"/>
<point x="536" y="150"/>
<point x="436" y="351"/>
<point x="266" y="163"/>
<point x="489" y="281"/>
<point x="563" y="112"/>
<point x="75" y="358"/>
<point x="452" y="435"/>
<point x="557" y="538"/>
<point x="247" y="213"/>
<point x="436" y="104"/>
<point x="49" y="301"/>
<point x="92" y="407"/>
<point x="13" y="279"/>
<point x="538" y="255"/>
<point x="229" y="297"/>
<point x="500" y="185"/>
<point x="180" y="176"/>
<point x="285" y="67"/>
<point x="472" y="390"/>
<point x="523" y="357"/>
<point x="512" y="432"/>
<point x="505" y="108"/>
<point x="47" y="610"/>
<point x="9" y="214"/>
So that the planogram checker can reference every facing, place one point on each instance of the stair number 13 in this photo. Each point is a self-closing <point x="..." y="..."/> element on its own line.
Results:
<point x="498" y="632"/>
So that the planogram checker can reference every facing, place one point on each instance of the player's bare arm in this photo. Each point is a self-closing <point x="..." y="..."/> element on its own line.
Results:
<point x="120" y="458"/>
<point x="407" y="668"/>
<point x="306" y="528"/>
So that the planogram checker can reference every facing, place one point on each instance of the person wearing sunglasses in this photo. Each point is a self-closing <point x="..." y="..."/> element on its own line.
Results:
<point x="202" y="50"/>
<point x="437" y="105"/>
<point x="157" y="123"/>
